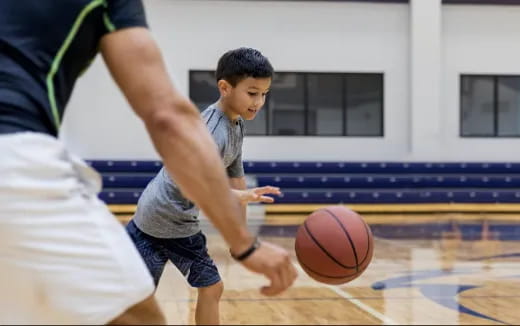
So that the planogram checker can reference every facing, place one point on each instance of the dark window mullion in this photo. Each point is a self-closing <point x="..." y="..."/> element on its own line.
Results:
<point x="382" y="120"/>
<point x="267" y="115"/>
<point x="495" y="105"/>
<point x="461" y="101"/>
<point x="305" y="105"/>
<point x="344" y="103"/>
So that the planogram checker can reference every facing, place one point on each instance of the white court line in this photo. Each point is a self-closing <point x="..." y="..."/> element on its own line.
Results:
<point x="344" y="294"/>
<point x="386" y="320"/>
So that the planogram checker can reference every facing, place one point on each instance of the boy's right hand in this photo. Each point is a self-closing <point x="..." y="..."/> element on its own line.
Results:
<point x="274" y="263"/>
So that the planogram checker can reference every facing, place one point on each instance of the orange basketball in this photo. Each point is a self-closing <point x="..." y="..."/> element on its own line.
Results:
<point x="334" y="245"/>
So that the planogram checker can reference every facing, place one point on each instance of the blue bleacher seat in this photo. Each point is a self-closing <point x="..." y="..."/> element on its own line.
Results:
<point x="377" y="181"/>
<point x="345" y="182"/>
<point x="380" y="167"/>
<point x="126" y="181"/>
<point x="125" y="166"/>
<point x="120" y="197"/>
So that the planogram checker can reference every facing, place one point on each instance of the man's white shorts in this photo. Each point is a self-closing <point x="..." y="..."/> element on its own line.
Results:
<point x="64" y="258"/>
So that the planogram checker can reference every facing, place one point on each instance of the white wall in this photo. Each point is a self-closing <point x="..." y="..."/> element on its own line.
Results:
<point x="425" y="74"/>
<point x="336" y="37"/>
<point x="422" y="48"/>
<point x="477" y="40"/>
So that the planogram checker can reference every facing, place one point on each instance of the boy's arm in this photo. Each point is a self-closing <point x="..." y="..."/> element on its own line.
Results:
<point x="253" y="195"/>
<point x="237" y="180"/>
<point x="240" y="184"/>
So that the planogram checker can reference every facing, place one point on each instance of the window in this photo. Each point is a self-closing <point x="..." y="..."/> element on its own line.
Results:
<point x="203" y="88"/>
<point x="490" y="106"/>
<point x="325" y="100"/>
<point x="286" y="105"/>
<point x="309" y="104"/>
<point x="508" y="93"/>
<point x="364" y="110"/>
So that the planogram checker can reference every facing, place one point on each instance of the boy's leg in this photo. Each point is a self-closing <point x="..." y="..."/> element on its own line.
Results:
<point x="207" y="311"/>
<point x="154" y="254"/>
<point x="190" y="256"/>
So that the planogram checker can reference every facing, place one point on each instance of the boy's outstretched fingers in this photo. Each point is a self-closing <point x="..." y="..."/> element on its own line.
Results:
<point x="261" y="191"/>
<point x="267" y="190"/>
<point x="266" y="199"/>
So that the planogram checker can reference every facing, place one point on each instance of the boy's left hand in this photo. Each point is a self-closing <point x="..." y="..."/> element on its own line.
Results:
<point x="256" y="195"/>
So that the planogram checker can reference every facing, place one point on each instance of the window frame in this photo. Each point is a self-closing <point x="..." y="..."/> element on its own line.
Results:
<point x="344" y="102"/>
<point x="495" y="101"/>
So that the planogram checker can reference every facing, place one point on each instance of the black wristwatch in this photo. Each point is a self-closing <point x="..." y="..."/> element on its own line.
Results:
<point x="248" y="252"/>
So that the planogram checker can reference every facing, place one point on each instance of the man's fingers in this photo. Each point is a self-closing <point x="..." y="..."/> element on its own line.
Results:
<point x="275" y="287"/>
<point x="287" y="272"/>
<point x="291" y="272"/>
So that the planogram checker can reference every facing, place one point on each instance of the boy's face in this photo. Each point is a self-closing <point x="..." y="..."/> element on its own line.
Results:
<point x="247" y="97"/>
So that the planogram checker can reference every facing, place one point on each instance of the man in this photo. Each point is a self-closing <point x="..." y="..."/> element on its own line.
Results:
<point x="64" y="257"/>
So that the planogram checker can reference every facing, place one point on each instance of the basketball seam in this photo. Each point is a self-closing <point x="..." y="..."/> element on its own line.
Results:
<point x="368" y="242"/>
<point x="324" y="275"/>
<point x="348" y="236"/>
<point x="325" y="250"/>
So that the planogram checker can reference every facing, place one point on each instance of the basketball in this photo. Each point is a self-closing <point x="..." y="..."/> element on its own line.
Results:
<point x="334" y="245"/>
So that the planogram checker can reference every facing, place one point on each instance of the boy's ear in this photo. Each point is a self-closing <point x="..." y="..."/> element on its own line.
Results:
<point x="224" y="87"/>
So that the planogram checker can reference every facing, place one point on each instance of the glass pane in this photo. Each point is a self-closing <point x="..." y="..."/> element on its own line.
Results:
<point x="477" y="106"/>
<point x="325" y="115"/>
<point x="203" y="88"/>
<point x="509" y="106"/>
<point x="286" y="105"/>
<point x="364" y="104"/>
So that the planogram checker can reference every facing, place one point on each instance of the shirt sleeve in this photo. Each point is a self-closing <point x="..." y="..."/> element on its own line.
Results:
<point x="125" y="13"/>
<point x="236" y="169"/>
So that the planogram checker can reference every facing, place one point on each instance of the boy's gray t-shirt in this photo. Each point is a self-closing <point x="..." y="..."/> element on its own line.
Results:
<point x="162" y="210"/>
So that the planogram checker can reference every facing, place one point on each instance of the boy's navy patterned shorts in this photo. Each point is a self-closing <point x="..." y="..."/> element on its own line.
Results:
<point x="189" y="255"/>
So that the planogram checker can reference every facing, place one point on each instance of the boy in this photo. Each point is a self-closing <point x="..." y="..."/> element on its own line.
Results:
<point x="165" y="226"/>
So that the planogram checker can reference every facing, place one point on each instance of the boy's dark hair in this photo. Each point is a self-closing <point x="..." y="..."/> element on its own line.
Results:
<point x="236" y="65"/>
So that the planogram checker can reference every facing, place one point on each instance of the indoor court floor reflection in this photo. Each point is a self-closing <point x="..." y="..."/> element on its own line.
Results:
<point x="451" y="269"/>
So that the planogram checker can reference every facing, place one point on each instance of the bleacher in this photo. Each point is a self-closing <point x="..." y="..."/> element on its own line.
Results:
<point x="320" y="183"/>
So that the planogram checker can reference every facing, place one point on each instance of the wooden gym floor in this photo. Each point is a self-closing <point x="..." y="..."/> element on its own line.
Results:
<point x="428" y="268"/>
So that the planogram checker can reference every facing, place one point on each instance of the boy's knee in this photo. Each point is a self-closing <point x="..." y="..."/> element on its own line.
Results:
<point x="213" y="292"/>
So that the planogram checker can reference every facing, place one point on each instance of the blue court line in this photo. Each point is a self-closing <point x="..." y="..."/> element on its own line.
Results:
<point x="431" y="291"/>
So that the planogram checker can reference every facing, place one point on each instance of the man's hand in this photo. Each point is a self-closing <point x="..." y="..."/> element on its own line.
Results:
<point x="275" y="264"/>
<point x="257" y="195"/>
